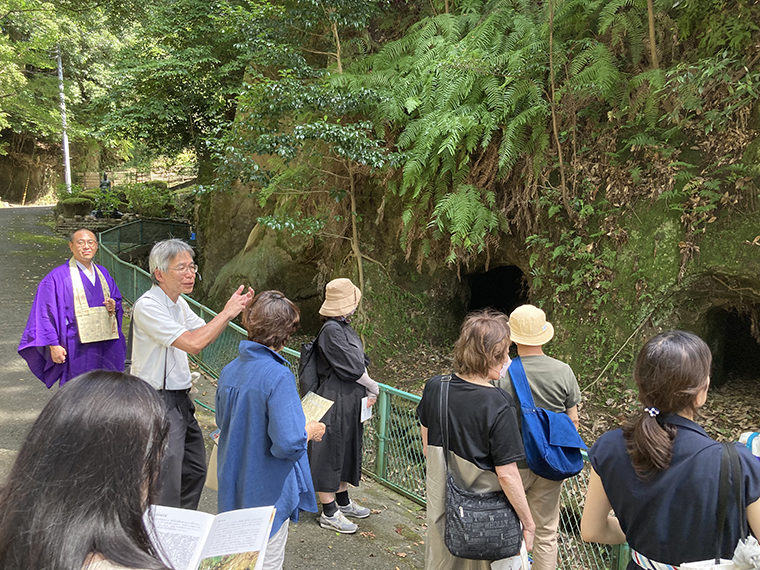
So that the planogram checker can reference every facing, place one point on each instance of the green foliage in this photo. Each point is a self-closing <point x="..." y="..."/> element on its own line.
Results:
<point x="149" y="199"/>
<point x="296" y="225"/>
<point x="716" y="25"/>
<point x="468" y="218"/>
<point x="32" y="31"/>
<point x="176" y="82"/>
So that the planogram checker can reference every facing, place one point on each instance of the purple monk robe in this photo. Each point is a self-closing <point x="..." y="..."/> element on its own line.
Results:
<point x="52" y="322"/>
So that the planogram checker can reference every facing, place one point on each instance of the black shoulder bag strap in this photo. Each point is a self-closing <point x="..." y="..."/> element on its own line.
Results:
<point x="736" y="474"/>
<point x="128" y="361"/>
<point x="729" y="463"/>
<point x="444" y="417"/>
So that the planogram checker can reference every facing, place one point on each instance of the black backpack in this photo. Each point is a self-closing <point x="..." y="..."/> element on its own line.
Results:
<point x="308" y="375"/>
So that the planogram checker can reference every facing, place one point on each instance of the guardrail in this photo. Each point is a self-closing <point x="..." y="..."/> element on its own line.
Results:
<point x="133" y="235"/>
<point x="392" y="446"/>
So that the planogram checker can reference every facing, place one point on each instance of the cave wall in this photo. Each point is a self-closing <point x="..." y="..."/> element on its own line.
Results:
<point x="650" y="291"/>
<point x="403" y="306"/>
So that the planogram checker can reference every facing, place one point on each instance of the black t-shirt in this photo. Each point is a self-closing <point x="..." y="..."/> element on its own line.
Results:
<point x="483" y="426"/>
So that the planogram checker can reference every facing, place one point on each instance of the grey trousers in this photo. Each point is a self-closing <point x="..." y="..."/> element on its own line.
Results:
<point x="183" y="468"/>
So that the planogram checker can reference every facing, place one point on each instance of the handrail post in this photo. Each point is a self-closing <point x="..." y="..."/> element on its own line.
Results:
<point x="620" y="555"/>
<point x="384" y="407"/>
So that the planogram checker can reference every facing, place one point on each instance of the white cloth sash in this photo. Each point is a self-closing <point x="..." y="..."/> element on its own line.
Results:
<point x="93" y="323"/>
<point x="648" y="564"/>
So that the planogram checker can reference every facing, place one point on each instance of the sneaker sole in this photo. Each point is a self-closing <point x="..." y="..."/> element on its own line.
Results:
<point x="328" y="527"/>
<point x="355" y="515"/>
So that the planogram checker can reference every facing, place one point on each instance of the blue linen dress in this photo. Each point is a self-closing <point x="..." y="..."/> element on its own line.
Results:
<point x="262" y="444"/>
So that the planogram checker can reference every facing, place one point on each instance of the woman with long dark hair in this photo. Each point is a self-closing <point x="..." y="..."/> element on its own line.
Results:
<point x="660" y="473"/>
<point x="83" y="478"/>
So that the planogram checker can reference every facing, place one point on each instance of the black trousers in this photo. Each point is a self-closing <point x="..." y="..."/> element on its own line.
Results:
<point x="183" y="468"/>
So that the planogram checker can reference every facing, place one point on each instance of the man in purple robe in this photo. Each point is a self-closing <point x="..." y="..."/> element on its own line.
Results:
<point x="51" y="342"/>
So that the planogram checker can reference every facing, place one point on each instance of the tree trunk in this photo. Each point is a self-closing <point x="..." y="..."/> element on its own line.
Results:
<point x="355" y="231"/>
<point x="337" y="47"/>
<point x="555" y="129"/>
<point x="652" y="42"/>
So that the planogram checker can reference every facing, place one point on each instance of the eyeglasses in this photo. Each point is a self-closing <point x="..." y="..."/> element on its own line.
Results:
<point x="85" y="242"/>
<point x="192" y="268"/>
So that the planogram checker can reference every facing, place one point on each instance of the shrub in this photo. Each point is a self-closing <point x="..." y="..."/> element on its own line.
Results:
<point x="89" y="194"/>
<point x="76" y="206"/>
<point x="158" y="184"/>
<point x="150" y="199"/>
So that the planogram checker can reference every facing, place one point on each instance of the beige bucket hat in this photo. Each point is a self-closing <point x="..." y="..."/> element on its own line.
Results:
<point x="341" y="298"/>
<point x="529" y="326"/>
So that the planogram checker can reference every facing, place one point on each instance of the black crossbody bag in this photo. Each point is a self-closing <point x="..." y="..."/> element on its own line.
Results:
<point x="479" y="526"/>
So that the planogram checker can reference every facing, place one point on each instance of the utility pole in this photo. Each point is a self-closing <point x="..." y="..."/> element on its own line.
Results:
<point x="66" y="160"/>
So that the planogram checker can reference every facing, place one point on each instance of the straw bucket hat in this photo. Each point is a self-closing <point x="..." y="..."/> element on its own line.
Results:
<point x="341" y="298"/>
<point x="529" y="326"/>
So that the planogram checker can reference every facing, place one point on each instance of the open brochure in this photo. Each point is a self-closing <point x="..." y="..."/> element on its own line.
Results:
<point x="314" y="406"/>
<point x="192" y="540"/>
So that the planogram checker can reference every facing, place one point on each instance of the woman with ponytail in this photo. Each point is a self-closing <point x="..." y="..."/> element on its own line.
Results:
<point x="660" y="473"/>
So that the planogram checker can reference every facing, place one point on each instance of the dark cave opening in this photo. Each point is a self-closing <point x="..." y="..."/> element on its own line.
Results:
<point x="502" y="288"/>
<point x="736" y="353"/>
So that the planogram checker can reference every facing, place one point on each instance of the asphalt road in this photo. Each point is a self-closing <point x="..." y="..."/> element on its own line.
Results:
<point x="391" y="538"/>
<point x="28" y="251"/>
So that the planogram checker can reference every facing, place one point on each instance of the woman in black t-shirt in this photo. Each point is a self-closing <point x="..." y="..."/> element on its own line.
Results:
<point x="484" y="437"/>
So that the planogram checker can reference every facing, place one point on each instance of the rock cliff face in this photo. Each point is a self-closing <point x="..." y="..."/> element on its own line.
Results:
<point x="25" y="178"/>
<point x="401" y="304"/>
<point x="656" y="274"/>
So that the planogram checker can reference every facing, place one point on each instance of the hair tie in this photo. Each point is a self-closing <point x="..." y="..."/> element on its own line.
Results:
<point x="653" y="412"/>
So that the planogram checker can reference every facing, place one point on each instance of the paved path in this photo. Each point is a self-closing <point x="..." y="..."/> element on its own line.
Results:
<point x="392" y="538"/>
<point x="28" y="251"/>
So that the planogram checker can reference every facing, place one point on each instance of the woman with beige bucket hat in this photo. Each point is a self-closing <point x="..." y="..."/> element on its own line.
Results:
<point x="336" y="461"/>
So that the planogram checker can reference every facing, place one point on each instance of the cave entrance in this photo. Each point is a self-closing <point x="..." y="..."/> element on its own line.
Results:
<point x="736" y="353"/>
<point x="502" y="288"/>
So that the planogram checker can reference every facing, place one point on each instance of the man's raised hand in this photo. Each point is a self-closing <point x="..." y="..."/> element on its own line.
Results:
<point x="238" y="301"/>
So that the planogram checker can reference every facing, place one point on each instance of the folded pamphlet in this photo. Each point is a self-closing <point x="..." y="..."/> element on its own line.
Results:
<point x="314" y="406"/>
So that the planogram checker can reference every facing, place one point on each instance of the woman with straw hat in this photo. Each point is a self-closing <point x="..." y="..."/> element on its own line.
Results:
<point x="336" y="461"/>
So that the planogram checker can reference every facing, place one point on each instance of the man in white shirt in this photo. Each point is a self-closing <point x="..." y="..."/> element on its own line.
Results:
<point x="165" y="330"/>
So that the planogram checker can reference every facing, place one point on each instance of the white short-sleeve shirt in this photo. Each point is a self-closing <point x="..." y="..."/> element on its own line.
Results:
<point x="158" y="322"/>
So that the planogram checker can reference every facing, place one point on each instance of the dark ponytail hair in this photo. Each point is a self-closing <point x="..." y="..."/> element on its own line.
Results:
<point x="670" y="372"/>
<point x="84" y="476"/>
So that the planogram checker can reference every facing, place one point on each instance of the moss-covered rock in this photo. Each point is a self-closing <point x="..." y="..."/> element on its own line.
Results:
<point x="76" y="206"/>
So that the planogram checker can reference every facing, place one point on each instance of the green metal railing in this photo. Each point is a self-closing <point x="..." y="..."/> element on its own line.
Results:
<point x="133" y="235"/>
<point x="392" y="444"/>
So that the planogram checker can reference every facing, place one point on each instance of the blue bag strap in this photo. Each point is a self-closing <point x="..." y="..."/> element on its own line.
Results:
<point x="750" y="439"/>
<point x="520" y="384"/>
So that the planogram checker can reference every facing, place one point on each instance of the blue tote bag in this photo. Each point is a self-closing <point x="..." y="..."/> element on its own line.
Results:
<point x="552" y="444"/>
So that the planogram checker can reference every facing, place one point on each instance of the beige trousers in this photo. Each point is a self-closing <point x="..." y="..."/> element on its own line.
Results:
<point x="543" y="499"/>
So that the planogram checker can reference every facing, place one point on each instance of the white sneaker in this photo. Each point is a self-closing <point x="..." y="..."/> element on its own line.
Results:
<point x="354" y="510"/>
<point x="338" y="522"/>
